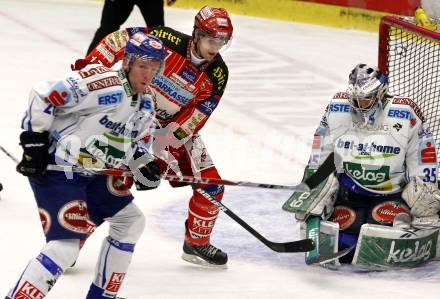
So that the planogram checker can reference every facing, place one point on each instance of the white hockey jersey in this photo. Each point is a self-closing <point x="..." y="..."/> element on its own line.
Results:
<point x="377" y="153"/>
<point x="91" y="113"/>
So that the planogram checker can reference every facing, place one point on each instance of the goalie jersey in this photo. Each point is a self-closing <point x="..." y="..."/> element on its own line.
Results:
<point x="379" y="152"/>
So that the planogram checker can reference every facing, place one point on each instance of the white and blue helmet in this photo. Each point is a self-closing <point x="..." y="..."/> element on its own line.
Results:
<point x="144" y="46"/>
<point x="366" y="83"/>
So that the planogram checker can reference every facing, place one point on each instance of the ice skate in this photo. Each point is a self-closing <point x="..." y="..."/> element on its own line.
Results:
<point x="206" y="255"/>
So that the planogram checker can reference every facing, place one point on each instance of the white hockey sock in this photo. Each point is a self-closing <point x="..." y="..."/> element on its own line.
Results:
<point x="114" y="260"/>
<point x="36" y="280"/>
<point x="43" y="271"/>
<point x="126" y="227"/>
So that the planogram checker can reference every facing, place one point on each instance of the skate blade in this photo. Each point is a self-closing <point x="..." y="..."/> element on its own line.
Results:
<point x="194" y="259"/>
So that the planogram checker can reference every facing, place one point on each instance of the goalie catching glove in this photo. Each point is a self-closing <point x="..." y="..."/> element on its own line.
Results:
<point x="424" y="202"/>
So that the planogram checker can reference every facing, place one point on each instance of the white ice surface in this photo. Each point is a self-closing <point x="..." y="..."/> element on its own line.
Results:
<point x="281" y="77"/>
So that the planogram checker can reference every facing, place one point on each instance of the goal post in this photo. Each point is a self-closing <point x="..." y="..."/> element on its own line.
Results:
<point x="410" y="56"/>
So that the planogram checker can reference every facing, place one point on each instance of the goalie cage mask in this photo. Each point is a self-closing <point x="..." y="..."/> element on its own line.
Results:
<point x="366" y="83"/>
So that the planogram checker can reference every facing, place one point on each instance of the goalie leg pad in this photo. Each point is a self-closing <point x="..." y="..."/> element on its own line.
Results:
<point x="384" y="247"/>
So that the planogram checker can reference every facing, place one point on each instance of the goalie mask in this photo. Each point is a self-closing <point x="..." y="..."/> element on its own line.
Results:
<point x="366" y="87"/>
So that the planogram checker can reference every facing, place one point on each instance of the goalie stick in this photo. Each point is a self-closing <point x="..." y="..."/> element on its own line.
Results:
<point x="323" y="259"/>
<point x="322" y="172"/>
<point x="314" y="257"/>
<point x="313" y="223"/>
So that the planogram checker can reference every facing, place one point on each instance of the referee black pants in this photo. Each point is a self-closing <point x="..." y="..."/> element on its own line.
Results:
<point x="116" y="12"/>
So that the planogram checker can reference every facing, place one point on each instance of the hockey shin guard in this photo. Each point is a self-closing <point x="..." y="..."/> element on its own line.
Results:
<point x="202" y="216"/>
<point x="112" y="266"/>
<point x="117" y="250"/>
<point x="42" y="272"/>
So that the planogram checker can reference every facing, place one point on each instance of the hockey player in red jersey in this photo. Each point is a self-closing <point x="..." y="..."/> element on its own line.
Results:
<point x="190" y="88"/>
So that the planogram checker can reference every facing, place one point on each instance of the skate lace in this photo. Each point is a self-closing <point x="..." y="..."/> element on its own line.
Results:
<point x="208" y="250"/>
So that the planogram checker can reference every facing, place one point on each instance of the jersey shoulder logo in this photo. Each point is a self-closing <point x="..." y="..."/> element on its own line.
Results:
<point x="339" y="107"/>
<point x="104" y="83"/>
<point x="220" y="76"/>
<point x="167" y="36"/>
<point x="412" y="104"/>
<point x="110" y="98"/>
<point x="93" y="71"/>
<point x="340" y="95"/>
<point x="207" y="106"/>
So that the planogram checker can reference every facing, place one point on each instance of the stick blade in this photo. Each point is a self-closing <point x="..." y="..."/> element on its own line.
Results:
<point x="322" y="259"/>
<point x="295" y="246"/>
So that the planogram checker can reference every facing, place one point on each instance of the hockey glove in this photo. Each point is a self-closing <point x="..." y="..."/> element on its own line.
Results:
<point x="35" y="153"/>
<point x="424" y="201"/>
<point x="79" y="64"/>
<point x="147" y="177"/>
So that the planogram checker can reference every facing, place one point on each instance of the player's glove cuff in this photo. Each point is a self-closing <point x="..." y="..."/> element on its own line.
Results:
<point x="35" y="153"/>
<point x="147" y="177"/>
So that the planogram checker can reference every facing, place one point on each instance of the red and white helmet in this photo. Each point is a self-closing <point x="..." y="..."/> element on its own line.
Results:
<point x="214" y="22"/>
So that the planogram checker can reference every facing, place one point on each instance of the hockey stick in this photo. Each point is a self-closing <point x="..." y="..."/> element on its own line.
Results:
<point x="313" y="223"/>
<point x="184" y="179"/>
<point x="324" y="259"/>
<point x="314" y="180"/>
<point x="294" y="246"/>
<point x="9" y="155"/>
<point x="321" y="174"/>
<point x="313" y="232"/>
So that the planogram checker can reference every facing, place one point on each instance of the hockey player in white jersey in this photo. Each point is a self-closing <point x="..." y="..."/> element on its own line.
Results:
<point x="98" y="116"/>
<point x="384" y="155"/>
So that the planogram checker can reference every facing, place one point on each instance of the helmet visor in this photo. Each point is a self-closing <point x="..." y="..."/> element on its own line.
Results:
<point x="360" y="100"/>
<point x="362" y="103"/>
<point x="213" y="44"/>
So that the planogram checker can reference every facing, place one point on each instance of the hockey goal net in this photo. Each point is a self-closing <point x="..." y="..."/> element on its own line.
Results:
<point x="410" y="55"/>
